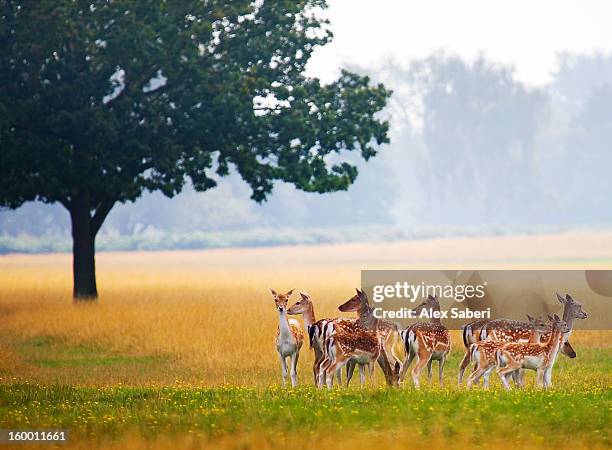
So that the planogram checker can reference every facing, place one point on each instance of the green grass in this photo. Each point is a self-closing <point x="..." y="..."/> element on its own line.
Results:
<point x="577" y="410"/>
<point x="532" y="415"/>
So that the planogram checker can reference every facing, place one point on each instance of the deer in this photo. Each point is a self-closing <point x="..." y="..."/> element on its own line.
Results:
<point x="540" y="357"/>
<point x="427" y="342"/>
<point x="506" y="330"/>
<point x="386" y="331"/>
<point x="571" y="310"/>
<point x="363" y="347"/>
<point x="289" y="337"/>
<point x="482" y="354"/>
<point x="319" y="330"/>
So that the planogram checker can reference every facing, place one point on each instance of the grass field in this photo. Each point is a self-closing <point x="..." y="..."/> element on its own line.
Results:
<point x="179" y="351"/>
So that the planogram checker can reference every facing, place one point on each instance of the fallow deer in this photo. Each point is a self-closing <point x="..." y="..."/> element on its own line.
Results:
<point x="387" y="330"/>
<point x="363" y="347"/>
<point x="483" y="354"/>
<point x="504" y="330"/>
<point x="289" y="337"/>
<point x="539" y="357"/>
<point x="319" y="330"/>
<point x="384" y="330"/>
<point x="426" y="341"/>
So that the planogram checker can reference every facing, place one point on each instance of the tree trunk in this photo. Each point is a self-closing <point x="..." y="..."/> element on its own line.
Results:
<point x="83" y="253"/>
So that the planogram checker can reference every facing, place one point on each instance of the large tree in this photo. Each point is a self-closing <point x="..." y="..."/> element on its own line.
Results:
<point x="101" y="100"/>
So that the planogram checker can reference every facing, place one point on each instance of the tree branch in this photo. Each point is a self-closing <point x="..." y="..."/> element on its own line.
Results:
<point x="101" y="212"/>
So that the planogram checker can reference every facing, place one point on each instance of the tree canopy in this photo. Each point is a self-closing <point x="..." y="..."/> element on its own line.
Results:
<point x="101" y="100"/>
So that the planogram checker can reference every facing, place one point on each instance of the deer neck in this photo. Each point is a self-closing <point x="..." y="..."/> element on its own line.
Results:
<point x="569" y="319"/>
<point x="554" y="344"/>
<point x="366" y="318"/>
<point x="283" y="324"/>
<point x="309" y="316"/>
<point x="435" y="318"/>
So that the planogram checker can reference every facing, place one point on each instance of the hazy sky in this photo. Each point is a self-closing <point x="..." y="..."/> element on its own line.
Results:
<point x="527" y="34"/>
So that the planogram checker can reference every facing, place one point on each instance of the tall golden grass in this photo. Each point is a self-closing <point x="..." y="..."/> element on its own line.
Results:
<point x="208" y="316"/>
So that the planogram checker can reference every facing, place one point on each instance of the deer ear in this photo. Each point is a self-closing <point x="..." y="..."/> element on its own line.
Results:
<point x="288" y="294"/>
<point x="561" y="299"/>
<point x="363" y="297"/>
<point x="273" y="292"/>
<point x="304" y="295"/>
<point x="358" y="291"/>
<point x="529" y="318"/>
<point x="551" y="318"/>
<point x="569" y="298"/>
<point x="431" y="297"/>
<point x="557" y="318"/>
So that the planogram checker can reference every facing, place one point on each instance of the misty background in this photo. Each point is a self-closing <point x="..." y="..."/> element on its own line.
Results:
<point x="475" y="149"/>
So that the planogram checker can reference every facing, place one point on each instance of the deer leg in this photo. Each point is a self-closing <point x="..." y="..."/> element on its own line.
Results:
<point x="475" y="376"/>
<point x="383" y="362"/>
<point x="350" y="369"/>
<point x="548" y="377"/>
<point x="475" y="380"/>
<point x="429" y="364"/>
<point x="487" y="375"/>
<point x="333" y="368"/>
<point x="442" y="362"/>
<point x="406" y="365"/>
<point x="317" y="365"/>
<point x="315" y="370"/>
<point x="417" y="369"/>
<point x="371" y="372"/>
<point x="294" y="360"/>
<point x="504" y="371"/>
<point x="283" y="362"/>
<point x="464" y="363"/>
<point x="322" y="371"/>
<point x="362" y="376"/>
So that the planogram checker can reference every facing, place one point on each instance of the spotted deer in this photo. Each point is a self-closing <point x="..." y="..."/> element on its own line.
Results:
<point x="289" y="337"/>
<point x="540" y="357"/>
<point x="319" y="330"/>
<point x="385" y="331"/>
<point x="483" y="354"/>
<point x="505" y="330"/>
<point x="426" y="341"/>
<point x="364" y="347"/>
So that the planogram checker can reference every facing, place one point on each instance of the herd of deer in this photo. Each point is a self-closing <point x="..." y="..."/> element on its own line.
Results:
<point x="510" y="346"/>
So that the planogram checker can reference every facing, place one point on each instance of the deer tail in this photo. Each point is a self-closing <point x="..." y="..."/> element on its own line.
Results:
<point x="467" y="331"/>
<point x="483" y="333"/>
<point x="311" y="333"/>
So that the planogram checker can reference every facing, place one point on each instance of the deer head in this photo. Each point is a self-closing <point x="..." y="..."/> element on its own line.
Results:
<point x="431" y="303"/>
<point x="281" y="300"/>
<point x="538" y="324"/>
<point x="572" y="309"/>
<point x="355" y="303"/>
<point x="558" y="325"/>
<point x="303" y="305"/>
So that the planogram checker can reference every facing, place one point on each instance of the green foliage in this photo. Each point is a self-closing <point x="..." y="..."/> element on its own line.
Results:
<point x="101" y="100"/>
<point x="533" y="418"/>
